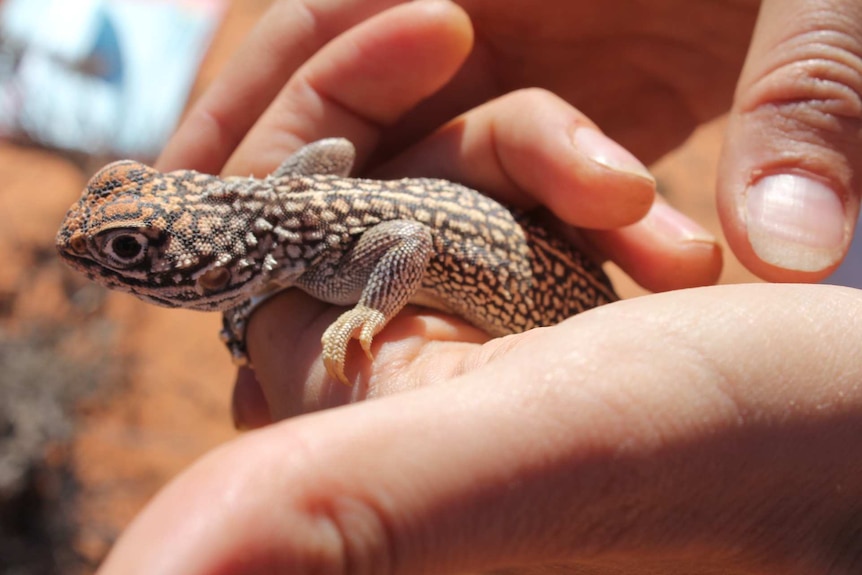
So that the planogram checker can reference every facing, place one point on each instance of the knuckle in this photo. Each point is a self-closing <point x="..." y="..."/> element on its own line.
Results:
<point x="814" y="79"/>
<point x="363" y="535"/>
<point x="329" y="531"/>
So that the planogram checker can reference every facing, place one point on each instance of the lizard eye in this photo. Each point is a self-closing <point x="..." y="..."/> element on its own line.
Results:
<point x="125" y="247"/>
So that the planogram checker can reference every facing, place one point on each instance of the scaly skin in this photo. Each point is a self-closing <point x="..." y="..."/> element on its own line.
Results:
<point x="184" y="239"/>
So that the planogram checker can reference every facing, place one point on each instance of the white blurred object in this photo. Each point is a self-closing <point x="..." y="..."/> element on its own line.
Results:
<point x="106" y="77"/>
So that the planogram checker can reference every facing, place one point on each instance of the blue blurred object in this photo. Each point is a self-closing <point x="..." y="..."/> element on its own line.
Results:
<point x="105" y="77"/>
<point x="850" y="271"/>
<point x="106" y="51"/>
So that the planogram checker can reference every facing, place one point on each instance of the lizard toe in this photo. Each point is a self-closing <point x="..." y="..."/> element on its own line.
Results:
<point x="336" y="338"/>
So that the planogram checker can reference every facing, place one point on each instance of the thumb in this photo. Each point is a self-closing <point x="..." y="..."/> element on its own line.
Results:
<point x="789" y="185"/>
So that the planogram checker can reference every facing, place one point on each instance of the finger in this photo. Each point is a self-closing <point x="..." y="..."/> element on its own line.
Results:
<point x="284" y="341"/>
<point x="288" y="35"/>
<point x="510" y="465"/>
<point x="789" y="187"/>
<point x="666" y="250"/>
<point x="531" y="148"/>
<point x="360" y="82"/>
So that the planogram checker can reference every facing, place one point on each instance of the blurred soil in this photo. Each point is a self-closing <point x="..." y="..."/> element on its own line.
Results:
<point x="103" y="398"/>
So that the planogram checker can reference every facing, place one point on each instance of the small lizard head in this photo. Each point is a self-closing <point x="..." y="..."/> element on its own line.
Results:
<point x="166" y="238"/>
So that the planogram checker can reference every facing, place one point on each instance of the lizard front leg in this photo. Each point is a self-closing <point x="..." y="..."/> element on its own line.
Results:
<point x="234" y="323"/>
<point x="385" y="268"/>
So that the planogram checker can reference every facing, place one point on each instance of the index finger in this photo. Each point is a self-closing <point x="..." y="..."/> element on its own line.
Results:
<point x="290" y="33"/>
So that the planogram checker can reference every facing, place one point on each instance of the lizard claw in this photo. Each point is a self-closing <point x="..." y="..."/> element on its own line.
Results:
<point x="337" y="337"/>
<point x="367" y="335"/>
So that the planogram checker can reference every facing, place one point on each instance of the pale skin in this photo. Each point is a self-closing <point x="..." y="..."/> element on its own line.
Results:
<point x="713" y="430"/>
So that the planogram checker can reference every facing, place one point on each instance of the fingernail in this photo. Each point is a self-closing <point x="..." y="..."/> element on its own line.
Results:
<point x="239" y="422"/>
<point x="604" y="151"/>
<point x="249" y="408"/>
<point x="795" y="222"/>
<point x="676" y="225"/>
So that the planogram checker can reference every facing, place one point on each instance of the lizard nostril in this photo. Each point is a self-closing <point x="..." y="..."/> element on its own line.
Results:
<point x="78" y="244"/>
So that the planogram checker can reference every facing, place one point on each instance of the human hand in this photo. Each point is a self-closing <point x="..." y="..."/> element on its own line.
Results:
<point x="528" y="147"/>
<point x="713" y="430"/>
<point x="646" y="73"/>
<point x="335" y="452"/>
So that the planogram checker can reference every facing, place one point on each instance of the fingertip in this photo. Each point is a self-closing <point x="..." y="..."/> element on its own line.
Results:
<point x="386" y="65"/>
<point x="558" y="156"/>
<point x="455" y="18"/>
<point x="787" y="208"/>
<point x="664" y="251"/>
<point x="360" y="83"/>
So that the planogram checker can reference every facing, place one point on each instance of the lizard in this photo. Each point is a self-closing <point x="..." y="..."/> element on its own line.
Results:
<point x="198" y="241"/>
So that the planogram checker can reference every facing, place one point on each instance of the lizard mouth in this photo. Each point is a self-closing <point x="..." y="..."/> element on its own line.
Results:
<point x="146" y="287"/>
<point x="140" y="287"/>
